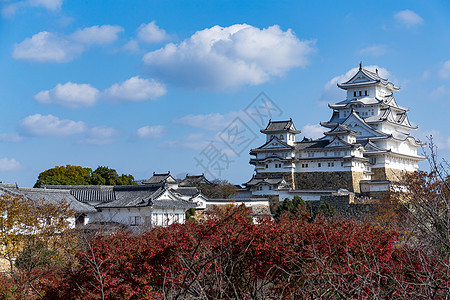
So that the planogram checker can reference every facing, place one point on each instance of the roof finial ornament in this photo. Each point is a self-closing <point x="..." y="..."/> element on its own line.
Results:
<point x="376" y="71"/>
<point x="360" y="65"/>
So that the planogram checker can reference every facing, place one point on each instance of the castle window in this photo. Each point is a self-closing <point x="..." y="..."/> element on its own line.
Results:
<point x="267" y="165"/>
<point x="354" y="94"/>
<point x="360" y="93"/>
<point x="365" y="93"/>
<point x="331" y="164"/>
<point x="342" y="164"/>
<point x="281" y="137"/>
<point x="319" y="165"/>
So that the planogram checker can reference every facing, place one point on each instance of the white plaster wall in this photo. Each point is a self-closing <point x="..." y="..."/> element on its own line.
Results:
<point x="374" y="187"/>
<point x="122" y="215"/>
<point x="264" y="190"/>
<point x="304" y="195"/>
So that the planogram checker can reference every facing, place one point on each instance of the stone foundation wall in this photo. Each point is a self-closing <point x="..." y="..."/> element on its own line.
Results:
<point x="320" y="180"/>
<point x="387" y="174"/>
<point x="360" y="211"/>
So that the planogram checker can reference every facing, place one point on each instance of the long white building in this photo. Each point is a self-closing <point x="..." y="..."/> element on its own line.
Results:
<point x="367" y="141"/>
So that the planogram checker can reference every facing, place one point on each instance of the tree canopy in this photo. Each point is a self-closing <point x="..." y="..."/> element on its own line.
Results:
<point x="219" y="189"/>
<point x="76" y="175"/>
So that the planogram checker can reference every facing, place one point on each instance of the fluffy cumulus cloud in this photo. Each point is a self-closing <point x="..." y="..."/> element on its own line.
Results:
<point x="9" y="164"/>
<point x="331" y="93"/>
<point x="72" y="95"/>
<point x="50" y="47"/>
<point x="312" y="131"/>
<point x="50" y="126"/>
<point x="150" y="132"/>
<point x="10" y="9"/>
<point x="76" y="95"/>
<point x="408" y="18"/>
<point x="136" y="89"/>
<point x="224" y="57"/>
<point x="99" y="135"/>
<point x="151" y="33"/>
<point x="99" y="35"/>
<point x="47" y="47"/>
<point x="444" y="72"/>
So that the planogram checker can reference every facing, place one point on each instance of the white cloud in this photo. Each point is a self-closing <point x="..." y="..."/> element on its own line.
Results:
<point x="312" y="131"/>
<point x="150" y="132"/>
<point x="9" y="164"/>
<point x="444" y="72"/>
<point x="132" y="46"/>
<point x="408" y="17"/>
<point x="219" y="58"/>
<point x="331" y="93"/>
<point x="99" y="135"/>
<point x="136" y="89"/>
<point x="47" y="47"/>
<point x="99" y="35"/>
<point x="151" y="33"/>
<point x="10" y="137"/>
<point x="72" y="95"/>
<point x="9" y="10"/>
<point x="374" y="50"/>
<point x="50" y="126"/>
<point x="50" y="47"/>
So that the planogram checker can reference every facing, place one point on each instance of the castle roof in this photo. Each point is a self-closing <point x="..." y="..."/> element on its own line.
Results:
<point x="160" y="178"/>
<point x="194" y="180"/>
<point x="140" y="196"/>
<point x="49" y="196"/>
<point x="341" y="129"/>
<point x="271" y="181"/>
<point x="365" y="77"/>
<point x="280" y="126"/>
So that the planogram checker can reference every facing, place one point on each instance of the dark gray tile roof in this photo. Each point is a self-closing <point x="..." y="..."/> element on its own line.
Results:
<point x="341" y="129"/>
<point x="314" y="144"/>
<point x="186" y="191"/>
<point x="53" y="196"/>
<point x="194" y="180"/>
<point x="272" y="181"/>
<point x="139" y="196"/>
<point x="88" y="193"/>
<point x="278" y="126"/>
<point x="160" y="179"/>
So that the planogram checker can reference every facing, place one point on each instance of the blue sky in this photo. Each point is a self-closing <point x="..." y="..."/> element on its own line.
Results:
<point x="143" y="86"/>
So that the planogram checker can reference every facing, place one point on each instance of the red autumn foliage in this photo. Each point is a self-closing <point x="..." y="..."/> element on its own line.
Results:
<point x="227" y="256"/>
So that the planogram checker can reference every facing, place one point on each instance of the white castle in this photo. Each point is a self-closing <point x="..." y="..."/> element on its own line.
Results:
<point x="367" y="144"/>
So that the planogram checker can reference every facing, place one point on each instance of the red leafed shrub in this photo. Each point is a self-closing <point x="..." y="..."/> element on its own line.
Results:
<point x="227" y="256"/>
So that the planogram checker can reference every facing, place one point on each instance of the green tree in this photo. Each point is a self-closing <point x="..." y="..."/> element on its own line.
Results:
<point x="76" y="175"/>
<point x="64" y="175"/>
<point x="297" y="204"/>
<point x="220" y="189"/>
<point x="106" y="176"/>
<point x="190" y="214"/>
